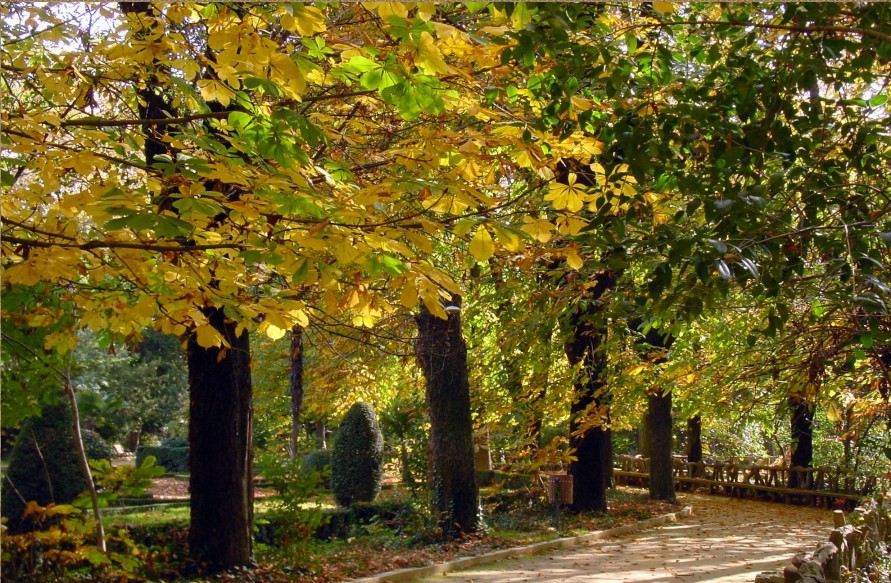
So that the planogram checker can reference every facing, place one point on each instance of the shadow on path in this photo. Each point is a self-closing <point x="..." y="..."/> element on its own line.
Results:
<point x="726" y="540"/>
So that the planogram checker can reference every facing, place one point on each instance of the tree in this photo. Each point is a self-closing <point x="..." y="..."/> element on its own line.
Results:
<point x="295" y="382"/>
<point x="357" y="460"/>
<point x="590" y="437"/>
<point x="43" y="466"/>
<point x="130" y="391"/>
<point x="442" y="357"/>
<point x="654" y="346"/>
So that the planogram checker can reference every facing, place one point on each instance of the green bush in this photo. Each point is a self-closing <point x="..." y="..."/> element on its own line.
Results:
<point x="43" y="466"/>
<point x="400" y="516"/>
<point x="505" y="480"/>
<point x="319" y="461"/>
<point x="357" y="460"/>
<point x="96" y="447"/>
<point x="175" y="442"/>
<point x="172" y="459"/>
<point x="290" y="520"/>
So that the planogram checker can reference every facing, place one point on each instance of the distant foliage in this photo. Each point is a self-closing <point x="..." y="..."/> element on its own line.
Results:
<point x="172" y="459"/>
<point x="43" y="466"/>
<point x="319" y="461"/>
<point x="357" y="461"/>
<point x="96" y="447"/>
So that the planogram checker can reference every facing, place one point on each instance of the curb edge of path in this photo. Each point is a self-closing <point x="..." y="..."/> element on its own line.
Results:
<point x="414" y="573"/>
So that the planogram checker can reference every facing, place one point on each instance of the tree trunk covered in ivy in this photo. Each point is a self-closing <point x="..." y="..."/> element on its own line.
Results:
<point x="442" y="356"/>
<point x="591" y="445"/>
<point x="221" y="453"/>
<point x="296" y="386"/>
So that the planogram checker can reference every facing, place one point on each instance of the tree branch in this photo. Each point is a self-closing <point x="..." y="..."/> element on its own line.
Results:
<point x="98" y="244"/>
<point x="863" y="32"/>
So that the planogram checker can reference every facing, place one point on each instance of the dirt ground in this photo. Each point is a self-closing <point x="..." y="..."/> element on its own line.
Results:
<point x="725" y="540"/>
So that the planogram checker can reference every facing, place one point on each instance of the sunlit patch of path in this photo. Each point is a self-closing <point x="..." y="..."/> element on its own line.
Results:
<point x="726" y="540"/>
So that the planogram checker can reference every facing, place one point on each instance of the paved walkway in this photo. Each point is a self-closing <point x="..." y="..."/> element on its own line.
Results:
<point x="726" y="540"/>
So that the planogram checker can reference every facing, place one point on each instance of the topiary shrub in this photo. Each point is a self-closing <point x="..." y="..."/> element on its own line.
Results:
<point x="96" y="447"/>
<point x="43" y="466"/>
<point x="319" y="461"/>
<point x="357" y="460"/>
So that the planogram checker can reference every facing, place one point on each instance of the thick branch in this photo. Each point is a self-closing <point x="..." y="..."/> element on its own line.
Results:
<point x="97" y="244"/>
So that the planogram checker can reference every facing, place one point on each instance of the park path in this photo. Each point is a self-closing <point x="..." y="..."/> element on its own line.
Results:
<point x="726" y="540"/>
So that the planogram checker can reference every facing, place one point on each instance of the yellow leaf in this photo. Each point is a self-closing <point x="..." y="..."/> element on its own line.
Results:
<point x="482" y="246"/>
<point x="208" y="336"/>
<point x="427" y="56"/>
<point x="573" y="260"/>
<point x="539" y="229"/>
<point x="387" y="9"/>
<point x="287" y="73"/>
<point x="663" y="7"/>
<point x="567" y="196"/>
<point x="272" y="331"/>
<point x="508" y="239"/>
<point x="426" y="10"/>
<point x="580" y="103"/>
<point x="409" y="295"/>
<point x="212" y="90"/>
<point x="308" y="20"/>
<point x="24" y="273"/>
<point x="301" y="318"/>
<point x="463" y="227"/>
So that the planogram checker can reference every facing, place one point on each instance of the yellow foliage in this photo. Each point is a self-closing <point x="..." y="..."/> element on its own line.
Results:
<point x="482" y="247"/>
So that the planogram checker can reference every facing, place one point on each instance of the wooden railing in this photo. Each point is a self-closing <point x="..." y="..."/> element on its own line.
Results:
<point x="815" y="486"/>
<point x="855" y="544"/>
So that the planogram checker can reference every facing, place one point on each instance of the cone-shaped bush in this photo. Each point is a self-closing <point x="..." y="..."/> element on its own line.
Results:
<point x="43" y="466"/>
<point x="357" y="461"/>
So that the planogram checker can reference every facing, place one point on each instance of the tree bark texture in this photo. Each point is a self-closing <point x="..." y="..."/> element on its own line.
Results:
<point x="659" y="420"/>
<point x="221" y="453"/>
<point x="802" y="436"/>
<point x="592" y="448"/>
<point x="442" y="357"/>
<point x="296" y="387"/>
<point x="643" y="437"/>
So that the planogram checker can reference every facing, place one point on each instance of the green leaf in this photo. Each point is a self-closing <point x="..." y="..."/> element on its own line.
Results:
<point x="880" y="99"/>
<point x="140" y="222"/>
<point x="719" y="246"/>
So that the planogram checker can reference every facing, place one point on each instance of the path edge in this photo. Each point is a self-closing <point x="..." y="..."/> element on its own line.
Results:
<point x="414" y="573"/>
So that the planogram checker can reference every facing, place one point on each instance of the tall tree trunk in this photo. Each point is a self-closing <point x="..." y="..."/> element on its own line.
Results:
<point x="442" y="357"/>
<point x="296" y="386"/>
<point x="802" y="436"/>
<point x="659" y="420"/>
<point x="592" y="446"/>
<point x="694" y="441"/>
<point x="221" y="453"/>
<point x="220" y="414"/>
